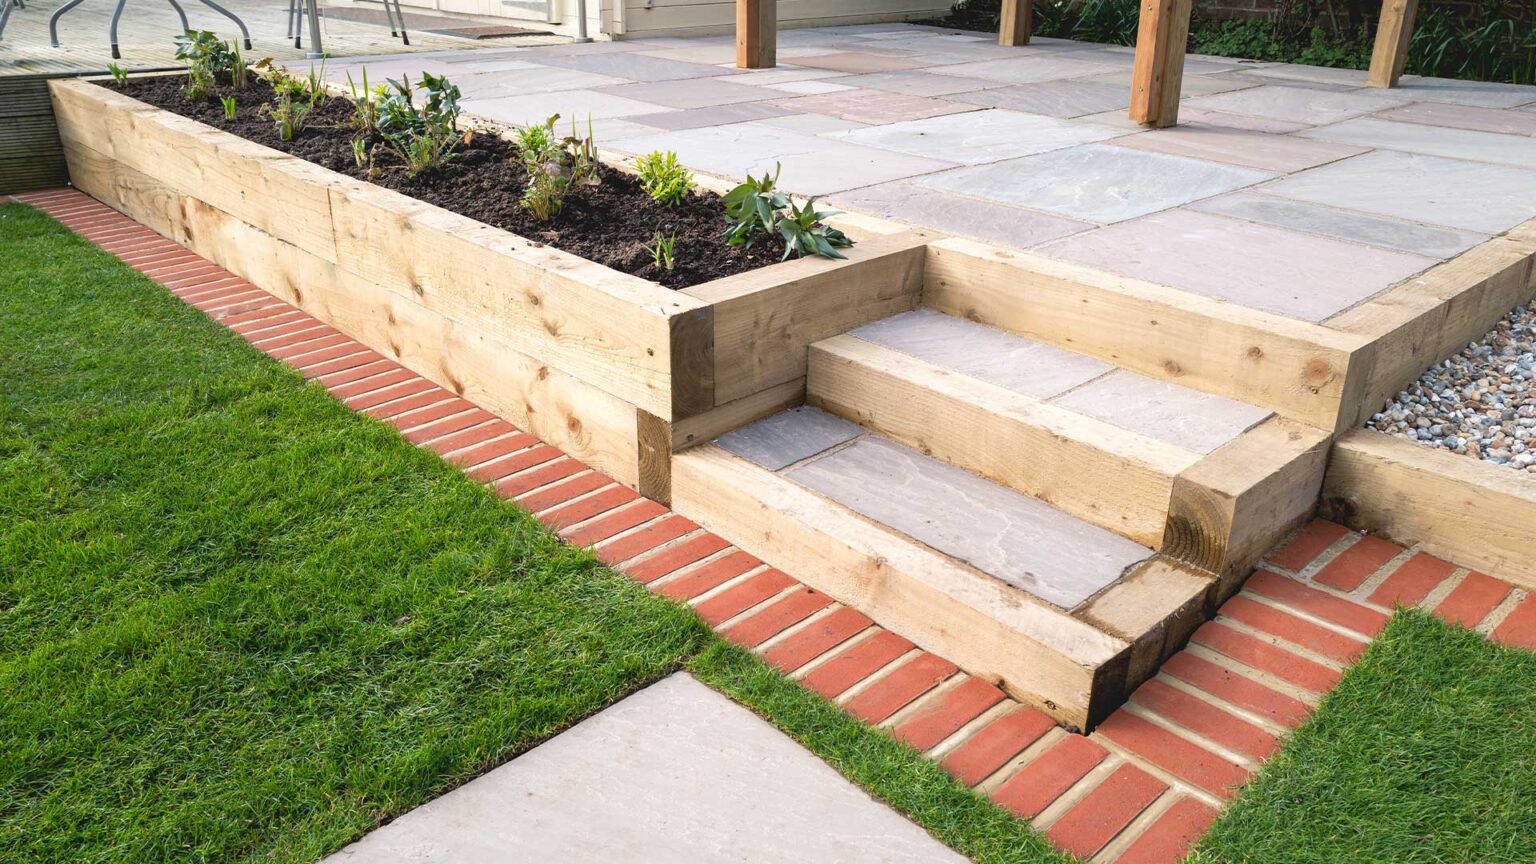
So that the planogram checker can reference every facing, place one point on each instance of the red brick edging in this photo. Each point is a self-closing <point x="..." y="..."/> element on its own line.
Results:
<point x="1139" y="790"/>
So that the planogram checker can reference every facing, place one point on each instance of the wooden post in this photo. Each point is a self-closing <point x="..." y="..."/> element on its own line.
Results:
<point x="1158" y="75"/>
<point x="757" y="24"/>
<point x="1393" y="33"/>
<point x="1018" y="20"/>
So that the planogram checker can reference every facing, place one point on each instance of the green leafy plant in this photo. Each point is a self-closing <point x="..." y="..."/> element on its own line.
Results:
<point x="293" y="99"/>
<point x="239" y="73"/>
<point x="757" y="209"/>
<point x="663" y="251"/>
<point x="424" y="136"/>
<point x="119" y="74"/>
<point x="206" y="56"/>
<point x="664" y="178"/>
<point x="555" y="165"/>
<point x="229" y="106"/>
<point x="365" y="99"/>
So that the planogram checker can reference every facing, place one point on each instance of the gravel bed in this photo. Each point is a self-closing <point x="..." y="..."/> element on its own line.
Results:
<point x="1482" y="402"/>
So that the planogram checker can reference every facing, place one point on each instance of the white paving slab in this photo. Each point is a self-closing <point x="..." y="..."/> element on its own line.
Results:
<point x="1300" y="104"/>
<point x="789" y="437"/>
<point x="1286" y="272"/>
<point x="1196" y="421"/>
<point x="980" y="136"/>
<point x="995" y="356"/>
<point x="1431" y="240"/>
<point x="1002" y="224"/>
<point x="1015" y="538"/>
<point x="1517" y="150"/>
<point x="1471" y="195"/>
<point x="674" y="774"/>
<point x="1096" y="182"/>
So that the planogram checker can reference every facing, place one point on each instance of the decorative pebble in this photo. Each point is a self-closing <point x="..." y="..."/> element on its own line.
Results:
<point x="1482" y="402"/>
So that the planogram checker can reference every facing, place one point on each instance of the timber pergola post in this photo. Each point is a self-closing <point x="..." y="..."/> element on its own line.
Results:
<point x="757" y="25"/>
<point x="1016" y="23"/>
<point x="1158" y="75"/>
<point x="1393" y="33"/>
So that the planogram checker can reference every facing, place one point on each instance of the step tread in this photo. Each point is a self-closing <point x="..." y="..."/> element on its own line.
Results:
<point x="1181" y="416"/>
<point x="1017" y="539"/>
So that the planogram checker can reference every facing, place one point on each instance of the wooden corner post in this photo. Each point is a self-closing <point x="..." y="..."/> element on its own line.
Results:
<point x="1158" y="75"/>
<point x="1393" y="33"/>
<point x="1017" y="21"/>
<point x="757" y="24"/>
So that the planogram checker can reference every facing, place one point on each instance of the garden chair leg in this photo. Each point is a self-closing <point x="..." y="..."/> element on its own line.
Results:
<point x="117" y="13"/>
<point x="186" y="27"/>
<point x="53" y="21"/>
<point x="244" y="33"/>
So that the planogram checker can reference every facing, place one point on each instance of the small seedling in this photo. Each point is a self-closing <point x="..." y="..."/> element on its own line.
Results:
<point x="239" y="74"/>
<point x="229" y="106"/>
<point x="663" y="251"/>
<point x="292" y="101"/>
<point x="119" y="74"/>
<point x="365" y="113"/>
<point x="664" y="178"/>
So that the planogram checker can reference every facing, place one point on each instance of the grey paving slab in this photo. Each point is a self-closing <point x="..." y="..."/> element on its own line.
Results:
<point x="1097" y="182"/>
<point x="1470" y="195"/>
<point x="859" y="62"/>
<point x="1015" y="538"/>
<point x="1194" y="114"/>
<point x="717" y="115"/>
<point x="1053" y="98"/>
<point x="1027" y="69"/>
<point x="782" y="73"/>
<point x="1465" y="117"/>
<point x="874" y="106"/>
<point x="808" y="88"/>
<point x="1197" y="422"/>
<point x="534" y="107"/>
<point x="634" y="67"/>
<point x="1258" y="266"/>
<point x="948" y="213"/>
<point x="674" y="774"/>
<point x="1313" y="74"/>
<point x="979" y="136"/>
<point x="1194" y="85"/>
<point x="811" y="165"/>
<point x="988" y="354"/>
<point x="690" y="93"/>
<point x="917" y="82"/>
<point x="789" y="437"/>
<point x="1433" y="241"/>
<point x="1517" y="150"/>
<point x="812" y="124"/>
<point x="1300" y="104"/>
<point x="1282" y="154"/>
<point x="1484" y="93"/>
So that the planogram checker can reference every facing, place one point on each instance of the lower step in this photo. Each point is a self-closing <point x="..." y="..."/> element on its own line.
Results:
<point x="1059" y="612"/>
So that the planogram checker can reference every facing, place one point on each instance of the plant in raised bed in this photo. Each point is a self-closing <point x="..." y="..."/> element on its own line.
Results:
<point x="365" y="99"/>
<point x="757" y="209"/>
<point x="293" y="99"/>
<point x="229" y="106"/>
<point x="207" y="55"/>
<point x="555" y="165"/>
<point x="663" y="251"/>
<point x="425" y="137"/>
<point x="119" y="74"/>
<point x="664" y="178"/>
<point x="239" y="73"/>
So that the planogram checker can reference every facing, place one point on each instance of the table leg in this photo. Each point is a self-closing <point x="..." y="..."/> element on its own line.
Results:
<point x="186" y="27"/>
<point x="117" y="12"/>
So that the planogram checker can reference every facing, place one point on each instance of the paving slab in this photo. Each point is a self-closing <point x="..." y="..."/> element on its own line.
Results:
<point x="1310" y="74"/>
<point x="1015" y="538"/>
<point x="1258" y="266"/>
<point x="873" y="106"/>
<point x="1002" y="224"/>
<point x="1195" y="421"/>
<point x="811" y="165"/>
<point x="782" y="73"/>
<point x="1193" y="114"/>
<point x="1517" y="150"/>
<point x="634" y="67"/>
<point x="1194" y="85"/>
<point x="1097" y="182"/>
<point x="859" y="62"/>
<point x="1027" y="367"/>
<point x="917" y="82"/>
<point x="1301" y="104"/>
<point x="812" y="124"/>
<point x="979" y="136"/>
<point x="1464" y="117"/>
<point x="1026" y="69"/>
<point x="1282" y="154"/>
<point x="689" y="93"/>
<point x="1433" y="241"/>
<point x="717" y="115"/>
<point x="534" y="107"/>
<point x="673" y="774"/>
<point x="808" y="88"/>
<point x="1053" y="98"/>
<point x="1487" y="94"/>
<point x="1474" y="196"/>
<point x="788" y="437"/>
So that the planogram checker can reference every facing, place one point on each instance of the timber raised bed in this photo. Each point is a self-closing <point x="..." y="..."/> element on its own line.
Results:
<point x="616" y="370"/>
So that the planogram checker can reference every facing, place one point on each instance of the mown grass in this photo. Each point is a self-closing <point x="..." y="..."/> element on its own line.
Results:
<point x="240" y="622"/>
<point x="1425" y="753"/>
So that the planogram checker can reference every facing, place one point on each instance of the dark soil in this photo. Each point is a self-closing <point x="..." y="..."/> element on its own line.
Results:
<point x="611" y="223"/>
<point x="982" y="16"/>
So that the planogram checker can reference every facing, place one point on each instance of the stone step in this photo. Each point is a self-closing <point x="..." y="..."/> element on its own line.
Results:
<point x="1061" y="612"/>
<point x="1101" y="443"/>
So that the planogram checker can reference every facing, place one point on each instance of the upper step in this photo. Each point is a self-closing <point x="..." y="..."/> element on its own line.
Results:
<point x="1101" y="443"/>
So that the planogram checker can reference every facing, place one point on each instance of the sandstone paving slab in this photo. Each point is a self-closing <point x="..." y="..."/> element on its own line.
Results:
<point x="689" y="93"/>
<point x="1013" y="537"/>
<point x="979" y="136"/>
<point x="780" y="74"/>
<point x="1464" y="117"/>
<point x="859" y="62"/>
<point x="989" y="221"/>
<point x="1282" y="154"/>
<point x="1028" y="69"/>
<point x="1195" y="421"/>
<point x="1310" y="74"/>
<point x="1258" y="266"/>
<point x="874" y="106"/>
<point x="1470" y="195"/>
<point x="1194" y="85"/>
<point x="1301" y="104"/>
<point x="674" y="774"/>
<point x="534" y="107"/>
<point x="1193" y="114"/>
<point x="811" y="124"/>
<point x="1097" y="182"/>
<point x="1487" y="94"/>
<point x="539" y="79"/>
<point x="1025" y="366"/>
<point x="808" y="88"/>
<point x="788" y="437"/>
<point x="634" y="67"/>
<point x="917" y="82"/>
<point x="1434" y="241"/>
<point x="1053" y="98"/>
<point x="1517" y="150"/>
<point x="717" y="115"/>
<point x="811" y="165"/>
